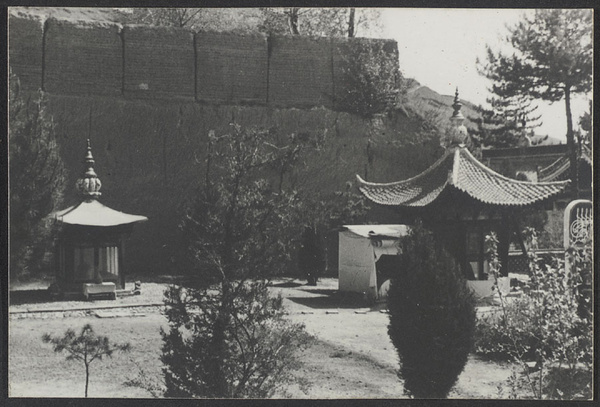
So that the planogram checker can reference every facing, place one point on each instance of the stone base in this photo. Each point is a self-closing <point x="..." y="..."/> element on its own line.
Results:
<point x="102" y="289"/>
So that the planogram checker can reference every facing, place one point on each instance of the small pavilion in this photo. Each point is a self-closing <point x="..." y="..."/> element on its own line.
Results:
<point x="462" y="200"/>
<point x="90" y="246"/>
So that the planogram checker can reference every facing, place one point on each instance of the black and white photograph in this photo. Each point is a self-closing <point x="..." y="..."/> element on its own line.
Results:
<point x="308" y="203"/>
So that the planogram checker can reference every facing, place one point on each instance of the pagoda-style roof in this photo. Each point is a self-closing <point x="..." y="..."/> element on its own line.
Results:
<point x="559" y="169"/>
<point x="458" y="169"/>
<point x="90" y="212"/>
<point x="93" y="213"/>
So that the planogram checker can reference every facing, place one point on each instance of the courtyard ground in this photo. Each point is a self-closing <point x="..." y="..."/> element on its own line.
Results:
<point x="352" y="356"/>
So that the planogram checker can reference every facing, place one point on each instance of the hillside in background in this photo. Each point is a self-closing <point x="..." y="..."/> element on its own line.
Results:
<point x="428" y="99"/>
<point x="424" y="99"/>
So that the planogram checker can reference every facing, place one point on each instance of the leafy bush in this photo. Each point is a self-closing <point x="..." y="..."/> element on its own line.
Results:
<point x="37" y="180"/>
<point x="494" y="342"/>
<point x="432" y="317"/>
<point x="236" y="343"/>
<point x="372" y="80"/>
<point x="226" y="336"/>
<point x="548" y="328"/>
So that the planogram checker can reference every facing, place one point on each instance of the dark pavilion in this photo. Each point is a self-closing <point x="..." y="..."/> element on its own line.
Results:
<point x="462" y="200"/>
<point x="90" y="246"/>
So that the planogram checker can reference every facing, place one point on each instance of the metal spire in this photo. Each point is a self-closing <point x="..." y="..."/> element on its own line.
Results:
<point x="457" y="114"/>
<point x="89" y="185"/>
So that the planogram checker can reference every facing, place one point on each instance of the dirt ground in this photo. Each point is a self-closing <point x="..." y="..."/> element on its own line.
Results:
<point x="352" y="357"/>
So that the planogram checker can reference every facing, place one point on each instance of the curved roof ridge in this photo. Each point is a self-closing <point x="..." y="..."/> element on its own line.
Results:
<point x="493" y="173"/>
<point x="408" y="180"/>
<point x="554" y="170"/>
<point x="558" y="163"/>
<point x="466" y="174"/>
<point x="455" y="167"/>
<point x="563" y="163"/>
<point x="587" y="154"/>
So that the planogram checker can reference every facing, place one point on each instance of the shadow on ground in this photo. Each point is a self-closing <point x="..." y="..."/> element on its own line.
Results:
<point x="287" y="284"/>
<point x="334" y="299"/>
<point x="37" y="296"/>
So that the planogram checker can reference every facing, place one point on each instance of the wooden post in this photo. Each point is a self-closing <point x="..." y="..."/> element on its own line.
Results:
<point x="517" y="231"/>
<point x="121" y="263"/>
<point x="504" y="243"/>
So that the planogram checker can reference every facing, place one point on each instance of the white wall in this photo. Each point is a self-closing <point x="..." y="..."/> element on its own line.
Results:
<point x="356" y="263"/>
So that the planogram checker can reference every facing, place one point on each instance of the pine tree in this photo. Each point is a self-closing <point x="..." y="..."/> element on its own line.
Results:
<point x="551" y="60"/>
<point x="85" y="347"/>
<point x="509" y="123"/>
<point x="37" y="180"/>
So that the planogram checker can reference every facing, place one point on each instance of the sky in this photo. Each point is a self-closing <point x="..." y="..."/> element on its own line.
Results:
<point x="439" y="48"/>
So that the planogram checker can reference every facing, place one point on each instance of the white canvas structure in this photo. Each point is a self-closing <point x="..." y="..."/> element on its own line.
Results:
<point x="360" y="247"/>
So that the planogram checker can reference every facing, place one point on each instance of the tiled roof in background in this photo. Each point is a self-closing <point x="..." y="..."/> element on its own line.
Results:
<point x="558" y="170"/>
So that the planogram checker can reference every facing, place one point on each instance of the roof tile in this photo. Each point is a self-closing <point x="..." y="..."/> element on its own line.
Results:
<point x="460" y="170"/>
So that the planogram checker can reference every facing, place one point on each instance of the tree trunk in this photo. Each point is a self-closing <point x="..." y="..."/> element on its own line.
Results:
<point x="571" y="144"/>
<point x="351" y="18"/>
<point x="87" y="378"/>
<point x="293" y="20"/>
<point x="219" y="380"/>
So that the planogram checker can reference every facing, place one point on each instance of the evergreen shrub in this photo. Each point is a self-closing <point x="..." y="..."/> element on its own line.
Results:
<point x="432" y="317"/>
<point x="37" y="180"/>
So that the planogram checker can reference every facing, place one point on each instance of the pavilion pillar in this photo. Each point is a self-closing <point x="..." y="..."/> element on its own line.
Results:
<point x="121" y="262"/>
<point x="504" y="243"/>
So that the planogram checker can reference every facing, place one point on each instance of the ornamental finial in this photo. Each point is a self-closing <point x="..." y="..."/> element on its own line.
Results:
<point x="89" y="185"/>
<point x="457" y="114"/>
<point x="456" y="135"/>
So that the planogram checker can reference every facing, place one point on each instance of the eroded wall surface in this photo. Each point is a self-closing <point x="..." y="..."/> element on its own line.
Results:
<point x="147" y="98"/>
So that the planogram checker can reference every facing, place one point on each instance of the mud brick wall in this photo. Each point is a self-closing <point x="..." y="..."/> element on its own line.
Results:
<point x="150" y="157"/>
<point x="231" y="68"/>
<point x="159" y="62"/>
<point x="153" y="63"/>
<point x="300" y="72"/>
<point x="83" y="59"/>
<point x="148" y="97"/>
<point x="25" y="45"/>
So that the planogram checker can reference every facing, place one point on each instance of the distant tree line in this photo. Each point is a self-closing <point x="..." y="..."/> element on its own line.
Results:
<point x="329" y="22"/>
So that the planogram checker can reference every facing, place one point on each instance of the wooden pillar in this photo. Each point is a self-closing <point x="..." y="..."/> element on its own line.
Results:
<point x="517" y="230"/>
<point x="504" y="243"/>
<point x="97" y="275"/>
<point x="121" y="263"/>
